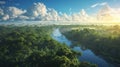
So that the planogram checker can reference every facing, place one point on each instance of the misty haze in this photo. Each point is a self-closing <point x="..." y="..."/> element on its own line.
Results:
<point x="59" y="33"/>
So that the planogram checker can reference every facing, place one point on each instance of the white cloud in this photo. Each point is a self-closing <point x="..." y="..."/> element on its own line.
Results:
<point x="102" y="4"/>
<point x="22" y="17"/>
<point x="52" y="15"/>
<point x="14" y="12"/>
<point x="5" y="17"/>
<point x="83" y="13"/>
<point x="10" y="13"/>
<point x="37" y="9"/>
<point x="1" y="12"/>
<point x="2" y="2"/>
<point x="109" y="14"/>
<point x="80" y="16"/>
<point x="99" y="4"/>
<point x="65" y="17"/>
<point x="40" y="12"/>
<point x="94" y="5"/>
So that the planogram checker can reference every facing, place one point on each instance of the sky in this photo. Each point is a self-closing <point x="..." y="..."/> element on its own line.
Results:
<point x="61" y="5"/>
<point x="54" y="8"/>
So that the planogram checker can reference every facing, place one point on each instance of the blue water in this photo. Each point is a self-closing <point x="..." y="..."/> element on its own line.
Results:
<point x="87" y="55"/>
<point x="60" y="38"/>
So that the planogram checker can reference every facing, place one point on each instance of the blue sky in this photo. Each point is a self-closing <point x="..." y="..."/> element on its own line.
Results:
<point x="62" y="5"/>
<point x="60" y="10"/>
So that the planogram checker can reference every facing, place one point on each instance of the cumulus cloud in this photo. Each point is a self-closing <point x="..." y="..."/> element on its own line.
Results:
<point x="10" y="13"/>
<point x="52" y="14"/>
<point x="65" y="17"/>
<point x="108" y="14"/>
<point x="5" y="17"/>
<point x="37" y="9"/>
<point x="80" y="16"/>
<point x="14" y="12"/>
<point x="39" y="12"/>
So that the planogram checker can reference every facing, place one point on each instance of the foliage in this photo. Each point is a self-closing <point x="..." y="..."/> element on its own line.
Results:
<point x="33" y="47"/>
<point x="103" y="40"/>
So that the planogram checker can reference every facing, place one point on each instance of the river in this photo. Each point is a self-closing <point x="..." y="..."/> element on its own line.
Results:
<point x="87" y="54"/>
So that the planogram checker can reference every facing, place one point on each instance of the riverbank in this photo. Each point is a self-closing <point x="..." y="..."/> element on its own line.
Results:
<point x="87" y="54"/>
<point x="106" y="46"/>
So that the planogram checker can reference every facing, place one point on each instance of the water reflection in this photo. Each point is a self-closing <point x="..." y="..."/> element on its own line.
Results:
<point x="87" y="54"/>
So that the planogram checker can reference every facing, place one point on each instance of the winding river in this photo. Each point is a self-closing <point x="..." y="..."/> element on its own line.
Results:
<point x="87" y="54"/>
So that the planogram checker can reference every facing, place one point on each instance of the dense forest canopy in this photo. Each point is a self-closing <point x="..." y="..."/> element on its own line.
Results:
<point x="102" y="40"/>
<point x="32" y="46"/>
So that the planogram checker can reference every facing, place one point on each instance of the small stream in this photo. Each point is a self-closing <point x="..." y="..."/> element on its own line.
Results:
<point x="87" y="54"/>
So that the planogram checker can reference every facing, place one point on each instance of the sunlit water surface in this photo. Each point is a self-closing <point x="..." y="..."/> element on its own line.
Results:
<point x="87" y="54"/>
